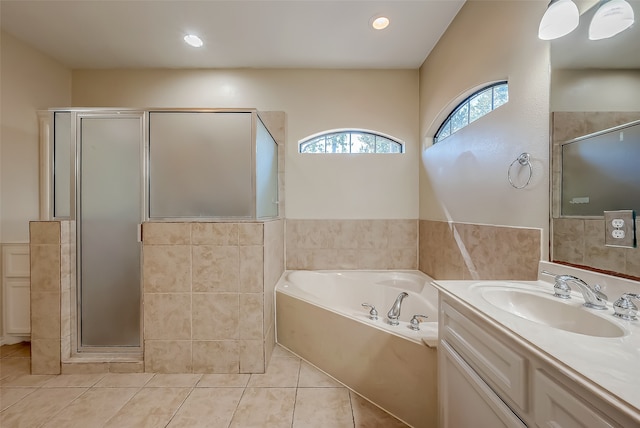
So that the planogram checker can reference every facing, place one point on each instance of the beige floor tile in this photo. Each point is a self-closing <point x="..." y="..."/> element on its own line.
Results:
<point x="174" y="380"/>
<point x="124" y="380"/>
<point x="150" y="407"/>
<point x="279" y="351"/>
<point x="207" y="407"/>
<point x="265" y="408"/>
<point x="311" y="377"/>
<point x="322" y="407"/>
<point x="224" y="380"/>
<point x="74" y="381"/>
<point x="366" y="415"/>
<point x="14" y="367"/>
<point x="281" y="373"/>
<point x="10" y="396"/>
<point x="93" y="409"/>
<point x="38" y="407"/>
<point x="27" y="380"/>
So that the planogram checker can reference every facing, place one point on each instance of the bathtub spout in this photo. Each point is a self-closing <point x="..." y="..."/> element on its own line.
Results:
<point x="394" y="312"/>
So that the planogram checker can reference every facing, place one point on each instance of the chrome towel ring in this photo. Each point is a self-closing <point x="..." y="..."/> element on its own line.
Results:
<point x="524" y="160"/>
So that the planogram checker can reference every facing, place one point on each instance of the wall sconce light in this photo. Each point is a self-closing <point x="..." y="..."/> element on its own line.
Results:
<point x="611" y="18"/>
<point x="560" y="18"/>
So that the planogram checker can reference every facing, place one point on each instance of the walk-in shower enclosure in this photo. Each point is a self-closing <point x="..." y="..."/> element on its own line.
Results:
<point x="111" y="170"/>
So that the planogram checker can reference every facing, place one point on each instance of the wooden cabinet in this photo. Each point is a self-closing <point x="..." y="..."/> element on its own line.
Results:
<point x="16" y="291"/>
<point x="487" y="378"/>
<point x="465" y="399"/>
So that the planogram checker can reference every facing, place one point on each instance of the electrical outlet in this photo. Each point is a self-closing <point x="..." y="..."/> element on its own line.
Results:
<point x="620" y="228"/>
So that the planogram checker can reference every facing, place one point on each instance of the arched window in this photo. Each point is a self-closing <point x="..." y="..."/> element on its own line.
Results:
<point x="350" y="141"/>
<point x="472" y="108"/>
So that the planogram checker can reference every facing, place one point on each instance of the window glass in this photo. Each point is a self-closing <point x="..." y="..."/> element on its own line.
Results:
<point x="460" y="119"/>
<point x="351" y="141"/>
<point x="473" y="108"/>
<point x="500" y="95"/>
<point x="480" y="105"/>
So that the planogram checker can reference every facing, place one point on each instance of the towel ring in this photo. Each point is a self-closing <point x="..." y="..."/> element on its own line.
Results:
<point x="524" y="160"/>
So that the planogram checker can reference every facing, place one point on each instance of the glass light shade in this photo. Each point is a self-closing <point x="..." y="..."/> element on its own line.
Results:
<point x="610" y="19"/>
<point x="561" y="18"/>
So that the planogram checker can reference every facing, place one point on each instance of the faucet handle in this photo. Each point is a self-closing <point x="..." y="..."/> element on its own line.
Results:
<point x="373" y="313"/>
<point x="414" y="324"/>
<point x="624" y="307"/>
<point x="600" y="294"/>
<point x="561" y="288"/>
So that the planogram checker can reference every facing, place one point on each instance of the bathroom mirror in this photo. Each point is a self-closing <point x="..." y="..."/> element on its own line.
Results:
<point x="594" y="87"/>
<point x="600" y="172"/>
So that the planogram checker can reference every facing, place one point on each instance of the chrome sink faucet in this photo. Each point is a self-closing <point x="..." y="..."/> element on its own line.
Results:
<point x="593" y="297"/>
<point x="394" y="312"/>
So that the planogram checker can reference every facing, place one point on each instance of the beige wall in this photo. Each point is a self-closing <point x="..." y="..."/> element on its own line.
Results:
<point x="30" y="81"/>
<point x="464" y="178"/>
<point x="318" y="187"/>
<point x="595" y="90"/>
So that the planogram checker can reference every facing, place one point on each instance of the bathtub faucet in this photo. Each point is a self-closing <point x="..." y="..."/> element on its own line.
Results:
<point x="394" y="312"/>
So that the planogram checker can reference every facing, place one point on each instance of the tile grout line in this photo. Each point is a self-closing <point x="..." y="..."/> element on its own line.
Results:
<point x="353" y="416"/>
<point x="175" y="412"/>
<point x="140" y="388"/>
<point x="233" y="415"/>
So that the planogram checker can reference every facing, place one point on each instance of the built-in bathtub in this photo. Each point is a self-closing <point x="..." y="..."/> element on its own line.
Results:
<point x="319" y="316"/>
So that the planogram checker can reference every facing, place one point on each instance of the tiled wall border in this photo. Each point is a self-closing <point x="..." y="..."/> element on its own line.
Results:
<point x="351" y="244"/>
<point x="450" y="250"/>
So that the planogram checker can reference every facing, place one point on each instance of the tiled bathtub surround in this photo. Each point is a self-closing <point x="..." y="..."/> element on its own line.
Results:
<point x="352" y="244"/>
<point x="450" y="250"/>
<point x="208" y="295"/>
<point x="580" y="241"/>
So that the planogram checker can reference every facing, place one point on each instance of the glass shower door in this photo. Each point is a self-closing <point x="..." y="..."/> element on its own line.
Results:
<point x="110" y="208"/>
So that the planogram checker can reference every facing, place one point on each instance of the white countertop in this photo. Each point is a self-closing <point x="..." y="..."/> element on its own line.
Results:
<point x="612" y="363"/>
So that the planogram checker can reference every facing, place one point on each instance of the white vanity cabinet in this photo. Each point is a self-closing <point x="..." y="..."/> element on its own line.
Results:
<point x="488" y="377"/>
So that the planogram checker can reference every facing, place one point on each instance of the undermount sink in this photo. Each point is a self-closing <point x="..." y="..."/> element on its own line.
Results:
<point x="545" y="310"/>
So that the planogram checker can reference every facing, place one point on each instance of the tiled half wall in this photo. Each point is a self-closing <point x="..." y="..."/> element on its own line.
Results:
<point x="208" y="295"/>
<point x="352" y="244"/>
<point x="450" y="250"/>
<point x="208" y="298"/>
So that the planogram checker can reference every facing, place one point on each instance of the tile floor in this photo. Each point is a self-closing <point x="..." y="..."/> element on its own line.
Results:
<point x="291" y="393"/>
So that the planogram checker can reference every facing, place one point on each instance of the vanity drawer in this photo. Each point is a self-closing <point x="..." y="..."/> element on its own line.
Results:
<point x="500" y="367"/>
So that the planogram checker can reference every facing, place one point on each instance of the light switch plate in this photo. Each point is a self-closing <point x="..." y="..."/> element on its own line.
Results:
<point x="620" y="228"/>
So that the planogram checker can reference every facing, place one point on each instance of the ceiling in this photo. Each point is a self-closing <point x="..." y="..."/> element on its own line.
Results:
<point x="99" y="34"/>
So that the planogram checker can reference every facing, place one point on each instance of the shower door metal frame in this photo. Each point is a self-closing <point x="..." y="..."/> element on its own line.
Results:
<point x="76" y="183"/>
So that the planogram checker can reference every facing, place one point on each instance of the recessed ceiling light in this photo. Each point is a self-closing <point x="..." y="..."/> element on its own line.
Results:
<point x="193" y="40"/>
<point x="379" y="22"/>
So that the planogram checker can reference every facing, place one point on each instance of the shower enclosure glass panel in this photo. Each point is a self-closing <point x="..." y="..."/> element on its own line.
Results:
<point x="266" y="173"/>
<point x="200" y="164"/>
<point x="109" y="212"/>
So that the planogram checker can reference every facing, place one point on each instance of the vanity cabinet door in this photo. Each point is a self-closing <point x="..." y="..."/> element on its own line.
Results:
<point x="557" y="407"/>
<point x="499" y="365"/>
<point x="465" y="400"/>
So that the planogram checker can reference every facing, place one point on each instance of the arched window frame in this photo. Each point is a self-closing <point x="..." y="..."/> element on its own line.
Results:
<point x="380" y="141"/>
<point x="445" y="130"/>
